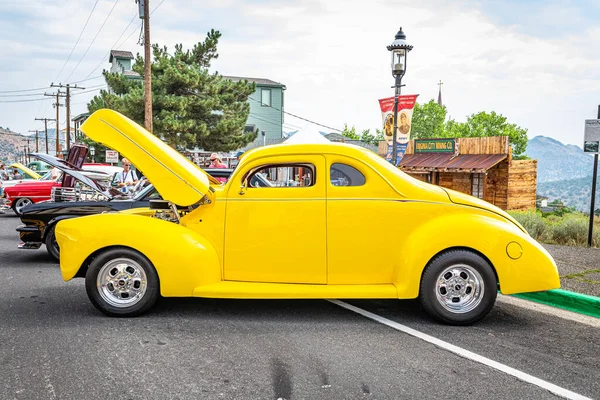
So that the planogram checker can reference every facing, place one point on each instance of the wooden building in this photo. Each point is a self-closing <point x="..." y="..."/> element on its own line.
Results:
<point x="481" y="167"/>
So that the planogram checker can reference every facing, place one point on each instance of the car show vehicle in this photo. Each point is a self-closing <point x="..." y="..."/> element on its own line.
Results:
<point x="39" y="166"/>
<point x="23" y="194"/>
<point x="27" y="175"/>
<point x="375" y="234"/>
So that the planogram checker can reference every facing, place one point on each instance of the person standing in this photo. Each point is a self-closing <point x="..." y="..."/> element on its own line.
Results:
<point x="127" y="179"/>
<point x="3" y="173"/>
<point x="216" y="162"/>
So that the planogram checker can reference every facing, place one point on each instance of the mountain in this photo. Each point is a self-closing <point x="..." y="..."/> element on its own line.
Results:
<point x="557" y="161"/>
<point x="12" y="144"/>
<point x="564" y="172"/>
<point x="573" y="192"/>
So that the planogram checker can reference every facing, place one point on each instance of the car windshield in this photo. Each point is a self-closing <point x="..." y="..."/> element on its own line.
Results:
<point x="47" y="176"/>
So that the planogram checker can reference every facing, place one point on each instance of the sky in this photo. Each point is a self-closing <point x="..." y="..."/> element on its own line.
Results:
<point x="536" y="62"/>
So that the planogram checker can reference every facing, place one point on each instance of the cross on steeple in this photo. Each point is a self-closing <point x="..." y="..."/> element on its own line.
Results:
<point x="440" y="93"/>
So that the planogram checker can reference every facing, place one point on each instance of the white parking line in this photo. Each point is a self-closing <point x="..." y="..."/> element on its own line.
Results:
<point x="555" y="312"/>
<point x="562" y="392"/>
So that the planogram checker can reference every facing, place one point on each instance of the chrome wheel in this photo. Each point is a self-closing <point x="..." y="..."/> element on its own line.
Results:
<point x="121" y="282"/>
<point x="460" y="288"/>
<point x="20" y="204"/>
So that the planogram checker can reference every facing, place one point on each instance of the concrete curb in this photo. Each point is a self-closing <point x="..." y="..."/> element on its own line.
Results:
<point x="572" y="301"/>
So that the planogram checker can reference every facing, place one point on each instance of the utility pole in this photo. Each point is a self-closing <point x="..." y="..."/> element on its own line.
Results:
<point x="147" y="66"/>
<point x="56" y="105"/>
<point x="45" y="128"/>
<point x="36" y="140"/>
<point x="28" y="152"/>
<point x="593" y="203"/>
<point x="68" y="87"/>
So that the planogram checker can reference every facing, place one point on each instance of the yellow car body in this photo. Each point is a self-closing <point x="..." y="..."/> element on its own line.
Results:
<point x="319" y="241"/>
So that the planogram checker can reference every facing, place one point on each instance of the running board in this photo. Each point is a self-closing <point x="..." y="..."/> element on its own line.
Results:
<point x="252" y="290"/>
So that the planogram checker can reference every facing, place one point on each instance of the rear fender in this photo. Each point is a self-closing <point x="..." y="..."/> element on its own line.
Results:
<point x="182" y="258"/>
<point x="485" y="234"/>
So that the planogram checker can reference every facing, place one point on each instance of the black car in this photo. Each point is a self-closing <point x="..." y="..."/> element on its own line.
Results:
<point x="40" y="219"/>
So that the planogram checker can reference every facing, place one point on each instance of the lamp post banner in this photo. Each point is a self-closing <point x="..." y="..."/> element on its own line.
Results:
<point x="406" y="104"/>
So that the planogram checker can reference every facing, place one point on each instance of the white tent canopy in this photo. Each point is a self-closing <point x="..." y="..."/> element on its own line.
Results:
<point x="307" y="135"/>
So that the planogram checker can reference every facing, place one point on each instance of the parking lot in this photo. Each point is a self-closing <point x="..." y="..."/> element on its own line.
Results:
<point x="55" y="345"/>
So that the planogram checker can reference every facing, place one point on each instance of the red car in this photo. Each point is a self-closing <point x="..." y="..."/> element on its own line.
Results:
<point x="23" y="194"/>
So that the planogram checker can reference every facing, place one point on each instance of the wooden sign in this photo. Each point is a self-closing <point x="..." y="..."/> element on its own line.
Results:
<point x="435" y="146"/>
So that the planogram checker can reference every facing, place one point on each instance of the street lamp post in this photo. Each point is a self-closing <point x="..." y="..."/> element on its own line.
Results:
<point x="92" y="152"/>
<point x="399" y="49"/>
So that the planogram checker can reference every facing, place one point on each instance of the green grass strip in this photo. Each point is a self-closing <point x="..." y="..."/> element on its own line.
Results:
<point x="572" y="301"/>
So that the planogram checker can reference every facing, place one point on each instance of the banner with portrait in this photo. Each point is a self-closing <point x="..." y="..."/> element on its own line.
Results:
<point x="406" y="104"/>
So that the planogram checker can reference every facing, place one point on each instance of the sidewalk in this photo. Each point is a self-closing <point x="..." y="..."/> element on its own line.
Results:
<point x="579" y="270"/>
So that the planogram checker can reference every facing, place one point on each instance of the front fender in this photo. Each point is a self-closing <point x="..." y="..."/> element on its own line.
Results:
<point x="183" y="258"/>
<point x="534" y="270"/>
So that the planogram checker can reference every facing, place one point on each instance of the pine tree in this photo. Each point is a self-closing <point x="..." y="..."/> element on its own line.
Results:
<point x="191" y="107"/>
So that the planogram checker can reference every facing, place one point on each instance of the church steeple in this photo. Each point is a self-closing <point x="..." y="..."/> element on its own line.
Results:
<point x="440" y="93"/>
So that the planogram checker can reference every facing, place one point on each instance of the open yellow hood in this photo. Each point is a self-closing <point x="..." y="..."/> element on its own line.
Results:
<point x="176" y="178"/>
<point x="30" y="172"/>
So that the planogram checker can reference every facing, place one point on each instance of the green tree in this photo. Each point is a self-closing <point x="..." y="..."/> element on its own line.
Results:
<point x="190" y="106"/>
<point x="490" y="124"/>
<point x="350" y="133"/>
<point x="428" y="121"/>
<point x="365" y="136"/>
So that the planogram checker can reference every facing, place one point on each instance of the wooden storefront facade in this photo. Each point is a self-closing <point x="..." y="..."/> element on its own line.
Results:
<point x="481" y="167"/>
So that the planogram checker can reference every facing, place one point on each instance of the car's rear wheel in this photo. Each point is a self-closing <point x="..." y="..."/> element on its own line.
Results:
<point x="51" y="243"/>
<point x="458" y="287"/>
<point x="122" y="283"/>
<point x="19" y="204"/>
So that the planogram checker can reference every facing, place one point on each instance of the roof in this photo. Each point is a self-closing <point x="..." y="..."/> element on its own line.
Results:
<point x="307" y="135"/>
<point x="445" y="162"/>
<point x="258" y="81"/>
<point x="120" y="54"/>
<point x="132" y="74"/>
<point x="80" y="116"/>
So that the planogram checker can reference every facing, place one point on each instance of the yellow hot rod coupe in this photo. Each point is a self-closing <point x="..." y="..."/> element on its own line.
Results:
<point x="336" y="221"/>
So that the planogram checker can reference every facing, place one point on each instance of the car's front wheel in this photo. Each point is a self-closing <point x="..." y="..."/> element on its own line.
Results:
<point x="122" y="283"/>
<point x="51" y="243"/>
<point x="458" y="287"/>
<point x="19" y="204"/>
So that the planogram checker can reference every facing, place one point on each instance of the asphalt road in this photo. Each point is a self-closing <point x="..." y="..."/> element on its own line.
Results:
<point x="55" y="345"/>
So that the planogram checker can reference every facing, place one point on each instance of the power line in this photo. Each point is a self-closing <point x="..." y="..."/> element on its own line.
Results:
<point x="23" y="90"/>
<point x="93" y="40"/>
<point x="297" y="116"/>
<point x="127" y="38"/>
<point x="77" y="42"/>
<point x="89" y="91"/>
<point x="21" y="95"/>
<point x="21" y="101"/>
<point x="89" y="79"/>
<point x="111" y="47"/>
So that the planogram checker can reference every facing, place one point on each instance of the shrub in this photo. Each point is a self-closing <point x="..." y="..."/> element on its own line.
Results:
<point x="572" y="230"/>
<point x="532" y="221"/>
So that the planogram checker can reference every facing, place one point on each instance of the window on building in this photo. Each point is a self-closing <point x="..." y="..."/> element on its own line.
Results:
<point x="283" y="175"/>
<point x="477" y="185"/>
<point x="345" y="175"/>
<point x="249" y="128"/>
<point x="265" y="97"/>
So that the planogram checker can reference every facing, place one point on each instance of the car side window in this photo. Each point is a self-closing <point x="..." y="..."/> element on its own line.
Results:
<point x="283" y="175"/>
<point x="345" y="175"/>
